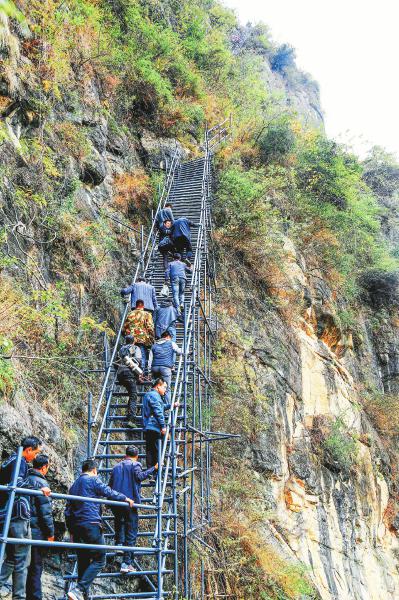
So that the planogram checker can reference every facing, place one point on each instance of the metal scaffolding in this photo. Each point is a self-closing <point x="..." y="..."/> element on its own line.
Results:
<point x="175" y="512"/>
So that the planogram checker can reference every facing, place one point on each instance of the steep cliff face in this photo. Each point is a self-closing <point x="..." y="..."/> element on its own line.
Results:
<point x="326" y="492"/>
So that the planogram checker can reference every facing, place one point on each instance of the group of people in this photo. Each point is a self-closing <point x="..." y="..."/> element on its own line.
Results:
<point x="148" y="354"/>
<point x="32" y="516"/>
<point x="175" y="242"/>
<point x="174" y="236"/>
<point x="150" y="347"/>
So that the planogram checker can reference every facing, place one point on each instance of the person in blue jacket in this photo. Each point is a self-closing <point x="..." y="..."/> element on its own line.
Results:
<point x="141" y="291"/>
<point x="181" y="236"/>
<point x="154" y="423"/>
<point x="165" y="318"/>
<point x="83" y="520"/>
<point x="165" y="214"/>
<point x="126" y="478"/>
<point x="177" y="271"/>
<point x="162" y="359"/>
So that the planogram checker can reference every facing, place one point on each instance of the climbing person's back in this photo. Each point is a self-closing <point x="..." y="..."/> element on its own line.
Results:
<point x="141" y="291"/>
<point x="165" y="318"/>
<point x="181" y="227"/>
<point x="165" y="214"/>
<point x="177" y="268"/>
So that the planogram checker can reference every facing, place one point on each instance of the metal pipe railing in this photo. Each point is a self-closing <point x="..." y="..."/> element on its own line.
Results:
<point x="12" y="490"/>
<point x="28" y="492"/>
<point x="179" y="381"/>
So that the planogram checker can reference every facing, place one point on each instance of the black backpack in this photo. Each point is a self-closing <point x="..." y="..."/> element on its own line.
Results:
<point x="21" y="508"/>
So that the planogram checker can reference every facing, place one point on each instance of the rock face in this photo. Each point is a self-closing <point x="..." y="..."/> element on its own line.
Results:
<point x="300" y="92"/>
<point x="331" y="516"/>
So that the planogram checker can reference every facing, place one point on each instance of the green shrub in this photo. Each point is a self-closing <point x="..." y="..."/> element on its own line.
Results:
<point x="7" y="374"/>
<point x="340" y="446"/>
<point x="381" y="172"/>
<point x="338" y="217"/>
<point x="327" y="172"/>
<point x="277" y="141"/>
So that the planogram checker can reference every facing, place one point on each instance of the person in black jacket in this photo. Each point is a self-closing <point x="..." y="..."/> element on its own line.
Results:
<point x="17" y="555"/>
<point x="83" y="520"/>
<point x="128" y="374"/>
<point x="126" y="478"/>
<point x="41" y="523"/>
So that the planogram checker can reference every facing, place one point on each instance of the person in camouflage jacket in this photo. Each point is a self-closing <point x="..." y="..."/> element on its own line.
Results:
<point x="140" y="325"/>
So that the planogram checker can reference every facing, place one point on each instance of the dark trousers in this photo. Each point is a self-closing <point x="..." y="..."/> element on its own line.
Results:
<point x="183" y="246"/>
<point x="165" y="258"/>
<point x="126" y="526"/>
<point x="90" y="562"/>
<point x="33" y="581"/>
<point x="152" y="442"/>
<point x="126" y="378"/>
<point x="145" y="351"/>
<point x="16" y="560"/>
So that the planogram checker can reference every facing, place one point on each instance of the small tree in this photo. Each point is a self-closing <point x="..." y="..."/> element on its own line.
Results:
<point x="277" y="141"/>
<point x="381" y="173"/>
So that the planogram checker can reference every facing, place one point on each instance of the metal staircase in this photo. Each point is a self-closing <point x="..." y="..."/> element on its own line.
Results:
<point x="177" y="508"/>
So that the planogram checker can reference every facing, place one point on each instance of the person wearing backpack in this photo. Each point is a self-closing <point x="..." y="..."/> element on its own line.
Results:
<point x="41" y="524"/>
<point x="128" y="374"/>
<point x="17" y="555"/>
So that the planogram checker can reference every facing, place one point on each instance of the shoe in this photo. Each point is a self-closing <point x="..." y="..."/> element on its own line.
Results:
<point x="4" y="592"/>
<point x="75" y="594"/>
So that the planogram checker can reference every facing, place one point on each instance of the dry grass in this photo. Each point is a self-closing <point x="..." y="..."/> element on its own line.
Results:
<point x="132" y="190"/>
<point x="383" y="410"/>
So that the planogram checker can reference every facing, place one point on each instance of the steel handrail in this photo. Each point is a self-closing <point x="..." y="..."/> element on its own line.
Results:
<point x="173" y="415"/>
<point x="29" y="492"/>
